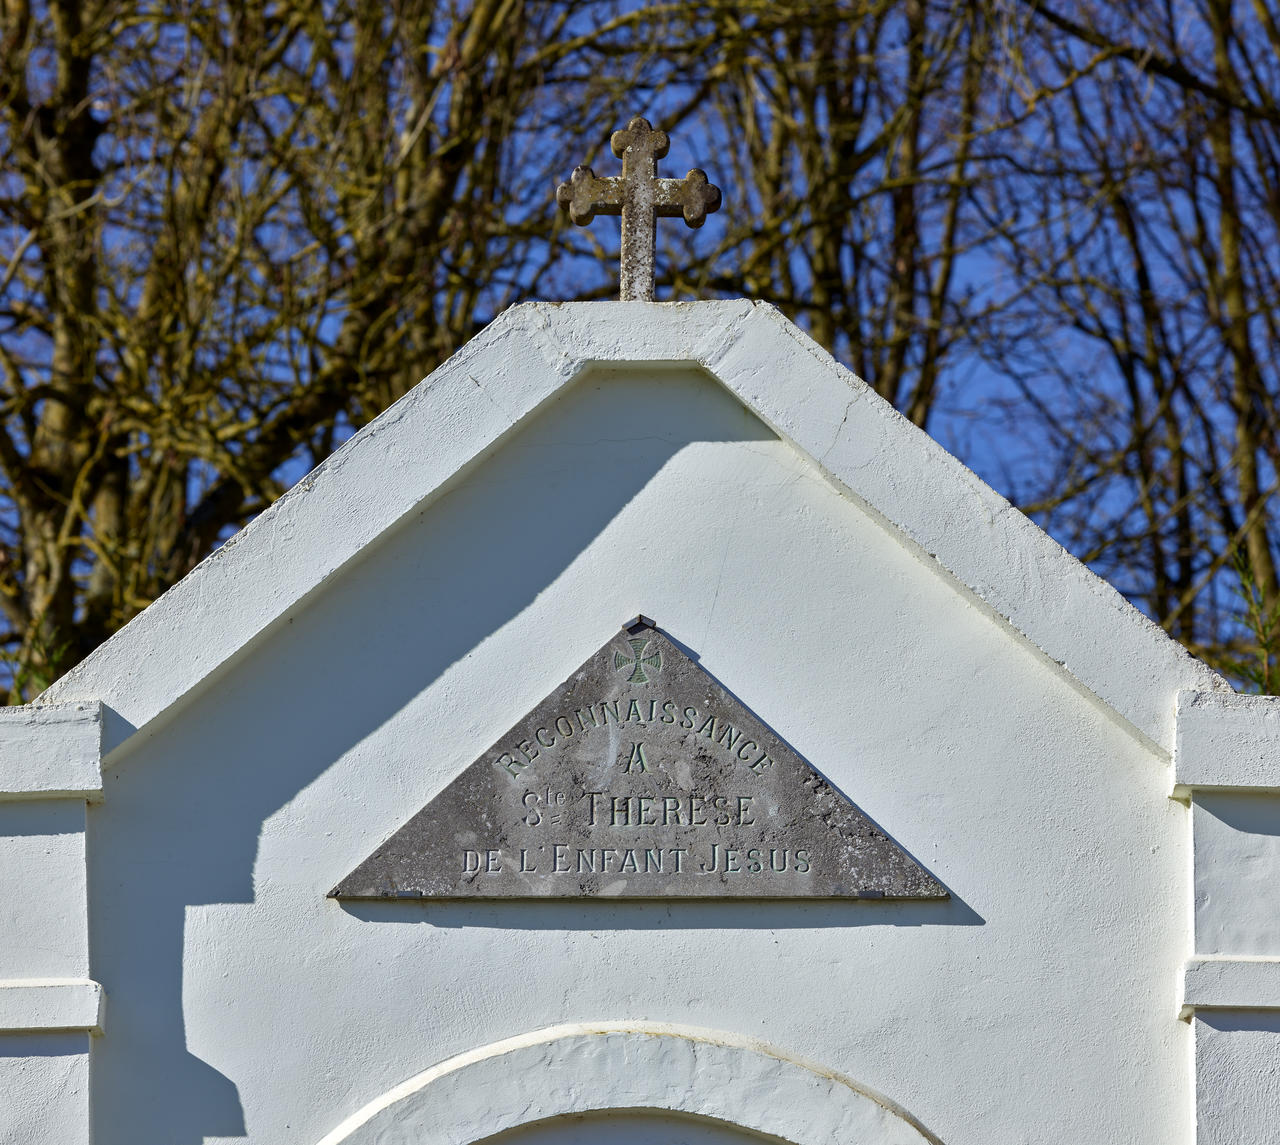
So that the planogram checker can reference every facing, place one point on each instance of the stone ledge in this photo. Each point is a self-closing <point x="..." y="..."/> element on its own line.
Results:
<point x="1231" y="984"/>
<point x="51" y="751"/>
<point x="44" y="1005"/>
<point x="1226" y="741"/>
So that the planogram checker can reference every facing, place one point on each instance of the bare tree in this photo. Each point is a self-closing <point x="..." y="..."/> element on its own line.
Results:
<point x="228" y="235"/>
<point x="1140" y="207"/>
<point x="851" y="135"/>
<point x="231" y="234"/>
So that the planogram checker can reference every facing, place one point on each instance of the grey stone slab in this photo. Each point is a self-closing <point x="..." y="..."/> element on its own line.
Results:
<point x="639" y="777"/>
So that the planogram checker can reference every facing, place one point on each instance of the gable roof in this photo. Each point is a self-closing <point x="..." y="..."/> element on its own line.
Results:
<point x="936" y="506"/>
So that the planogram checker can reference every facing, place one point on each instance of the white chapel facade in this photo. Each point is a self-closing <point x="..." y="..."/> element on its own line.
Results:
<point x="220" y="927"/>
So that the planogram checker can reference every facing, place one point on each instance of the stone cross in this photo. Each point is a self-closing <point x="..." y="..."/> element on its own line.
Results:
<point x="639" y="196"/>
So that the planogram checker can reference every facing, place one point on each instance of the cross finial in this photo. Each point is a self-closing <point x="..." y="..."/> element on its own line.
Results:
<point x="640" y="197"/>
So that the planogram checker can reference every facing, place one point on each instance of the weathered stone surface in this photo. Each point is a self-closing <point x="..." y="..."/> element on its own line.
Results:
<point x="641" y="198"/>
<point x="639" y="777"/>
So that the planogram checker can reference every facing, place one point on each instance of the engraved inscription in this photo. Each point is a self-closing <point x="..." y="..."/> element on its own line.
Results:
<point x="598" y="714"/>
<point x="640" y="776"/>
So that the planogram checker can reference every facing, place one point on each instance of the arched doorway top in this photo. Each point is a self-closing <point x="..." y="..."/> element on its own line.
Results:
<point x="586" y="1067"/>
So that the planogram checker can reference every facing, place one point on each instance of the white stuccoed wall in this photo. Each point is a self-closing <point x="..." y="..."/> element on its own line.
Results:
<point x="272" y="1012"/>
<point x="1000" y="713"/>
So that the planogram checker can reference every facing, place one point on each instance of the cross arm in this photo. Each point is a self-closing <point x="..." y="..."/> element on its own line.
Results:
<point x="587" y="194"/>
<point x="693" y="197"/>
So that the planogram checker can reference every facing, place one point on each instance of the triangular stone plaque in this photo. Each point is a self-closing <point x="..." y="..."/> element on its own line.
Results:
<point x="639" y="777"/>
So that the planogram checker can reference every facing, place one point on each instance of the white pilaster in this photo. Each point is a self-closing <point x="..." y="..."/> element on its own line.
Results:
<point x="50" y="1009"/>
<point x="1227" y="765"/>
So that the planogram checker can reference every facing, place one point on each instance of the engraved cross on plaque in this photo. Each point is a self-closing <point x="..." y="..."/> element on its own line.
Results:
<point x="638" y="661"/>
<point x="640" y="197"/>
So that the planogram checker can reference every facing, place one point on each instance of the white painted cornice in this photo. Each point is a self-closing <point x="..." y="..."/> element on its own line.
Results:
<point x="51" y="751"/>
<point x="1227" y="742"/>
<point x="394" y="466"/>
